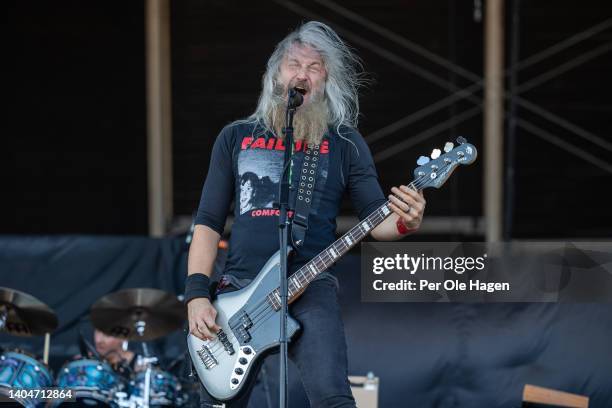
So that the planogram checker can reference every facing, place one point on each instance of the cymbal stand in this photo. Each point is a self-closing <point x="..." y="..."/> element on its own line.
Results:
<point x="46" y="348"/>
<point x="147" y="360"/>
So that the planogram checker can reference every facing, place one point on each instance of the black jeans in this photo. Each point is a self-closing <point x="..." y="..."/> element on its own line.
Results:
<point x="318" y="349"/>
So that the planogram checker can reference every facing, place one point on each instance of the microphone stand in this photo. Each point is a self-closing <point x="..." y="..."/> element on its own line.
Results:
<point x="294" y="100"/>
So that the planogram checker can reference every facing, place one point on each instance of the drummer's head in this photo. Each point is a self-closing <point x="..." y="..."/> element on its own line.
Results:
<point x="106" y="344"/>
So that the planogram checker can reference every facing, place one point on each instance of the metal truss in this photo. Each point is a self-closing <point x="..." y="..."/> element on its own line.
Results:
<point x="468" y="92"/>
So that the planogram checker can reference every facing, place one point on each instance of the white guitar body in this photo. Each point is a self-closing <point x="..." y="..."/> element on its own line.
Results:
<point x="225" y="369"/>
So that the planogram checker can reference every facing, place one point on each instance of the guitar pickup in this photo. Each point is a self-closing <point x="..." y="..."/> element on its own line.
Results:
<point x="245" y="321"/>
<point x="242" y="334"/>
<point x="207" y="357"/>
<point x="240" y="324"/>
<point x="227" y="345"/>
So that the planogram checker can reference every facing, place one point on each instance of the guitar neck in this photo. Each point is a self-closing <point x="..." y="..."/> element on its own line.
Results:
<point x="298" y="282"/>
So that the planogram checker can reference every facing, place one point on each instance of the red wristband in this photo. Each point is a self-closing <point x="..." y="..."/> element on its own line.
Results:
<point x="402" y="228"/>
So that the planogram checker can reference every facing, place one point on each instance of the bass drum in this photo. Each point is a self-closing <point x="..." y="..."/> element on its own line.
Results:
<point x="94" y="383"/>
<point x="165" y="389"/>
<point x="21" y="370"/>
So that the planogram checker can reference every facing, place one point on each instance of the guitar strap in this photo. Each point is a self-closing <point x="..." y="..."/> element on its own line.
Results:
<point x="305" y="194"/>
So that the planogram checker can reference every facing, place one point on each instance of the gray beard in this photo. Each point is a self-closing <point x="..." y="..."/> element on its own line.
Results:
<point x="309" y="122"/>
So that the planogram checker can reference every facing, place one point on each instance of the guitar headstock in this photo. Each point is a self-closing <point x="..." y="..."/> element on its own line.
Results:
<point x="435" y="171"/>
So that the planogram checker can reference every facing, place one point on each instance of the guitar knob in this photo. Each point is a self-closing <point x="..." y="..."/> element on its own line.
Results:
<point x="448" y="147"/>
<point x="435" y="153"/>
<point x="422" y="160"/>
<point x="461" y="140"/>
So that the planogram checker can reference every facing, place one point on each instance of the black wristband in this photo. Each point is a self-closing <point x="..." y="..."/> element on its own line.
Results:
<point x="197" y="285"/>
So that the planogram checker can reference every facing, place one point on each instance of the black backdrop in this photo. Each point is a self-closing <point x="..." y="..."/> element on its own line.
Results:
<point x="74" y="134"/>
<point x="426" y="355"/>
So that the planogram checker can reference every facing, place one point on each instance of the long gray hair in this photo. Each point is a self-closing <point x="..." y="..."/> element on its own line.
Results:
<point x="344" y="76"/>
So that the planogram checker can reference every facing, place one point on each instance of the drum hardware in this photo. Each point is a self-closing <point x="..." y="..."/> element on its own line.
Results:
<point x="121" y="399"/>
<point x="146" y="361"/>
<point x="164" y="388"/>
<point x="142" y="314"/>
<point x="46" y="348"/>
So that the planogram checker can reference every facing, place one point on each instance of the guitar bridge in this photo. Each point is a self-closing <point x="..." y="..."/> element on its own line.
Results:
<point x="207" y="357"/>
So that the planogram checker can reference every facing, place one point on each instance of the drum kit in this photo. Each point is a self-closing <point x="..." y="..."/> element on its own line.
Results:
<point x="140" y="315"/>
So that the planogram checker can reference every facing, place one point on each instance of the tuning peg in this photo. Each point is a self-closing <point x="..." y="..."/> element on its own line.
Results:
<point x="461" y="140"/>
<point x="422" y="160"/>
<point x="435" y="153"/>
<point x="448" y="147"/>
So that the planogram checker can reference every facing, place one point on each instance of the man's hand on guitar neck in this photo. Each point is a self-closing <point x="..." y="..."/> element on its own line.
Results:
<point x="408" y="207"/>
<point x="202" y="314"/>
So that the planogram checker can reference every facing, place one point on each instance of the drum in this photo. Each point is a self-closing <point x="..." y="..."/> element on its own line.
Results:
<point x="94" y="382"/>
<point x="165" y="389"/>
<point x="21" y="370"/>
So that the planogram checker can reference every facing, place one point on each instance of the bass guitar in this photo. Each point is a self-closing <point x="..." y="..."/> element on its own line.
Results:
<point x="249" y="318"/>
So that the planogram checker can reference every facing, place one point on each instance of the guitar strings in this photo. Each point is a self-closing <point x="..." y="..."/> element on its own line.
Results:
<point x="263" y="315"/>
<point x="260" y="316"/>
<point x="326" y="258"/>
<point x="262" y="311"/>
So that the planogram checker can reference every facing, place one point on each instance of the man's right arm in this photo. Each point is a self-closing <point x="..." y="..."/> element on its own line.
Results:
<point x="202" y="255"/>
<point x="210" y="219"/>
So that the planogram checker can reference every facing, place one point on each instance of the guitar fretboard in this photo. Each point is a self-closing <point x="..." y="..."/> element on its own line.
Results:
<point x="298" y="282"/>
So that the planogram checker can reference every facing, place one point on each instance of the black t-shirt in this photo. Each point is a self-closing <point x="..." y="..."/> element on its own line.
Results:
<point x="247" y="169"/>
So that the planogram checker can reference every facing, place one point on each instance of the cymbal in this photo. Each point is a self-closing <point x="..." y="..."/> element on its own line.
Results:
<point x="138" y="314"/>
<point x="24" y="315"/>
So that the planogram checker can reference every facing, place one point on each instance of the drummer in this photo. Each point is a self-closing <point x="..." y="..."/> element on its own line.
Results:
<point x="114" y="350"/>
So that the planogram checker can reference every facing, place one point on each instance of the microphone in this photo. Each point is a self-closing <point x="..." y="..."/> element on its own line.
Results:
<point x="295" y="99"/>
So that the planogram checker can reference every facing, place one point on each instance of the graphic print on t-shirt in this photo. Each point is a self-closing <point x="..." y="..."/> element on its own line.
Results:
<point x="259" y="175"/>
<point x="259" y="171"/>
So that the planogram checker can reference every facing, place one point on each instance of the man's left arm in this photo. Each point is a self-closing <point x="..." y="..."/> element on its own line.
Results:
<point x="408" y="207"/>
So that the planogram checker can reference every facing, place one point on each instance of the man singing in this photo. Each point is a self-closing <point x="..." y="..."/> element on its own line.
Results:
<point x="316" y="62"/>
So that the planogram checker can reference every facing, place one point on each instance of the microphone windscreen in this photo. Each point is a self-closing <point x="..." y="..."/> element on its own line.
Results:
<point x="295" y="98"/>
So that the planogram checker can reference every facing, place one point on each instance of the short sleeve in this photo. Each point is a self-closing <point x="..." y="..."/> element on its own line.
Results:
<point x="363" y="185"/>
<point x="219" y="185"/>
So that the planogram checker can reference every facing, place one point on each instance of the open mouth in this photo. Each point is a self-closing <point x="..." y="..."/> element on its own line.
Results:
<point x="301" y="90"/>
